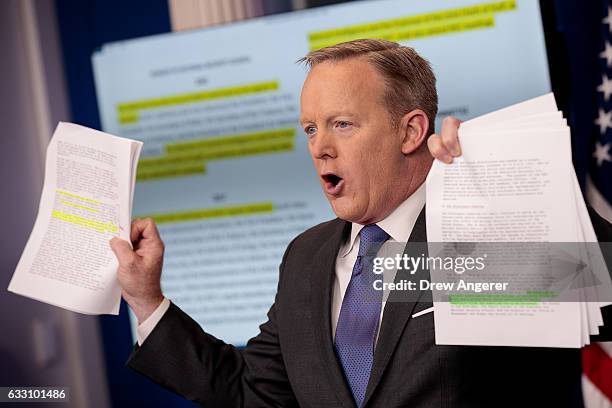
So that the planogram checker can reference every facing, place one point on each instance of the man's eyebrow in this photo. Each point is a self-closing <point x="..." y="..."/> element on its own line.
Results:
<point x="339" y="113"/>
<point x="329" y="116"/>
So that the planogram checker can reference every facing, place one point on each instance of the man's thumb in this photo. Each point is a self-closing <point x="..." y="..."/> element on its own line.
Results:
<point x="122" y="249"/>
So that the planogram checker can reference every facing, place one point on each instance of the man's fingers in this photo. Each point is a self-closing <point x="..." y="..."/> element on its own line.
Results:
<point x="445" y="146"/>
<point x="437" y="149"/>
<point x="136" y="229"/>
<point x="123" y="251"/>
<point x="144" y="227"/>
<point x="450" y="135"/>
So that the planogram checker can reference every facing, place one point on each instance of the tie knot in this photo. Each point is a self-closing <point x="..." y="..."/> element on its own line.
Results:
<point x="371" y="239"/>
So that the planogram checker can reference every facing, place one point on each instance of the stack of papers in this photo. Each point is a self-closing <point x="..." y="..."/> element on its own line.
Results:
<point x="86" y="201"/>
<point x="515" y="185"/>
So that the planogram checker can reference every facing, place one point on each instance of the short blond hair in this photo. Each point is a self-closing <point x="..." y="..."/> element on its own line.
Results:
<point x="409" y="79"/>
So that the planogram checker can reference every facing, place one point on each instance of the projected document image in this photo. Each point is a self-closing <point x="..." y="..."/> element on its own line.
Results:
<point x="218" y="174"/>
<point x="225" y="169"/>
<point x="227" y="209"/>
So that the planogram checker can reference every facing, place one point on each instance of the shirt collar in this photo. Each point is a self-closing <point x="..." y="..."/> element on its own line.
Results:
<point x="398" y="224"/>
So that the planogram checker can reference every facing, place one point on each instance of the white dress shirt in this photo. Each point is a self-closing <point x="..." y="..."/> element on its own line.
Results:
<point x="398" y="225"/>
<point x="145" y="328"/>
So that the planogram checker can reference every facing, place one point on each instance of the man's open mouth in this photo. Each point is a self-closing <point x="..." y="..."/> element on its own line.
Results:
<point x="333" y="183"/>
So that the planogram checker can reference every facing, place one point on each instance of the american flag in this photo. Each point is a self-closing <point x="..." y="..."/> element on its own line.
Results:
<point x="597" y="358"/>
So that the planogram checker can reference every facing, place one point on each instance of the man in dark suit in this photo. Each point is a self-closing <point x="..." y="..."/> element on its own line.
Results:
<point x="367" y="109"/>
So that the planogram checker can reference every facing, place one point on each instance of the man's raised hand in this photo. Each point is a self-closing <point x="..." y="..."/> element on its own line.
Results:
<point x="139" y="270"/>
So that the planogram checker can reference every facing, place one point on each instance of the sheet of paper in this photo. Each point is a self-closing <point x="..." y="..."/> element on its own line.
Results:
<point x="86" y="200"/>
<point x="494" y="181"/>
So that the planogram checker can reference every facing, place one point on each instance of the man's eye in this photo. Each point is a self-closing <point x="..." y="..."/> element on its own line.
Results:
<point x="343" y="124"/>
<point x="310" y="130"/>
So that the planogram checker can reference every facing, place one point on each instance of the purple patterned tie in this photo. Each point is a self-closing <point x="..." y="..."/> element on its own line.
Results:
<point x="360" y="314"/>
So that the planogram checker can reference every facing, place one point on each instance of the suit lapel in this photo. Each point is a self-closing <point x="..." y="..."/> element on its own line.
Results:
<point x="323" y="272"/>
<point x="396" y="315"/>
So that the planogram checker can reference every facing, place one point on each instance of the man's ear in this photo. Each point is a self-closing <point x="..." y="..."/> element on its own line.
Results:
<point x="413" y="130"/>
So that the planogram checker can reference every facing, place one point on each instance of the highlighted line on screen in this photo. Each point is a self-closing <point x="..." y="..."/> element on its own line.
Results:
<point x="230" y="140"/>
<point x="171" y="169"/>
<point x="190" y="157"/>
<point x="417" y="26"/>
<point x="128" y="112"/>
<point x="215" y="212"/>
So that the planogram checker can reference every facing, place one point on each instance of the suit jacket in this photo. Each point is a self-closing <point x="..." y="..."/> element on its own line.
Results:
<point x="292" y="361"/>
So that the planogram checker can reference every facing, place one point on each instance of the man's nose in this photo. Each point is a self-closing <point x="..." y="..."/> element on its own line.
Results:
<point x="323" y="146"/>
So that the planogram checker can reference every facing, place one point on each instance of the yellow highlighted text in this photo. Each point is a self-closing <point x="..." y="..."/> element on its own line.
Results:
<point x="84" y="222"/>
<point x="128" y="111"/>
<point x="217" y="212"/>
<point x="417" y="26"/>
